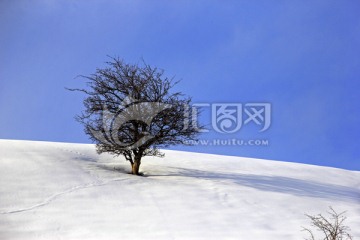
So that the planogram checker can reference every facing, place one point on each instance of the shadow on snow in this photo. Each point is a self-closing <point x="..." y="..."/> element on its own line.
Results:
<point x="279" y="184"/>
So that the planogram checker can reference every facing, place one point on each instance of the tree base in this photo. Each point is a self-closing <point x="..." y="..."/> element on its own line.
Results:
<point x="135" y="167"/>
<point x="140" y="174"/>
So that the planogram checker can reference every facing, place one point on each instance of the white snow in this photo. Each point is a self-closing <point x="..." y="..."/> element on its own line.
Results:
<point x="67" y="191"/>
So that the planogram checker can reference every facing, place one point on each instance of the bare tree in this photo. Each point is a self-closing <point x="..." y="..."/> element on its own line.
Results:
<point x="131" y="111"/>
<point x="332" y="228"/>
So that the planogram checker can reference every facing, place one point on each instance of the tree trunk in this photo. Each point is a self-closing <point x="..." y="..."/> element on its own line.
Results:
<point x="136" y="166"/>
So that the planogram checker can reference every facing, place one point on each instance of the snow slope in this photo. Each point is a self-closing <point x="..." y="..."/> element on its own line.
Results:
<point x="67" y="191"/>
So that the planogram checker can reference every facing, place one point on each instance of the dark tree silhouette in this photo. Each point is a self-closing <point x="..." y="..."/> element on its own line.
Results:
<point x="131" y="111"/>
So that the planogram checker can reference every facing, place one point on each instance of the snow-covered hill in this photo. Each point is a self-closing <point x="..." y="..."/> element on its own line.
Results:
<point x="67" y="191"/>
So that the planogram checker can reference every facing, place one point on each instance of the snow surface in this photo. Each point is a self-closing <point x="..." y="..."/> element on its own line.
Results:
<point x="67" y="191"/>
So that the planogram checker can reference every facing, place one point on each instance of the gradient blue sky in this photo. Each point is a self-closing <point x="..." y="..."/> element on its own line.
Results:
<point x="301" y="56"/>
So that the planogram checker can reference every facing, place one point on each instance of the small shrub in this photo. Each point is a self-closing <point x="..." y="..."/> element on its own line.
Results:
<point x="332" y="228"/>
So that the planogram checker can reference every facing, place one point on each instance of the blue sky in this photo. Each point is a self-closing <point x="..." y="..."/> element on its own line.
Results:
<point x="303" y="57"/>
